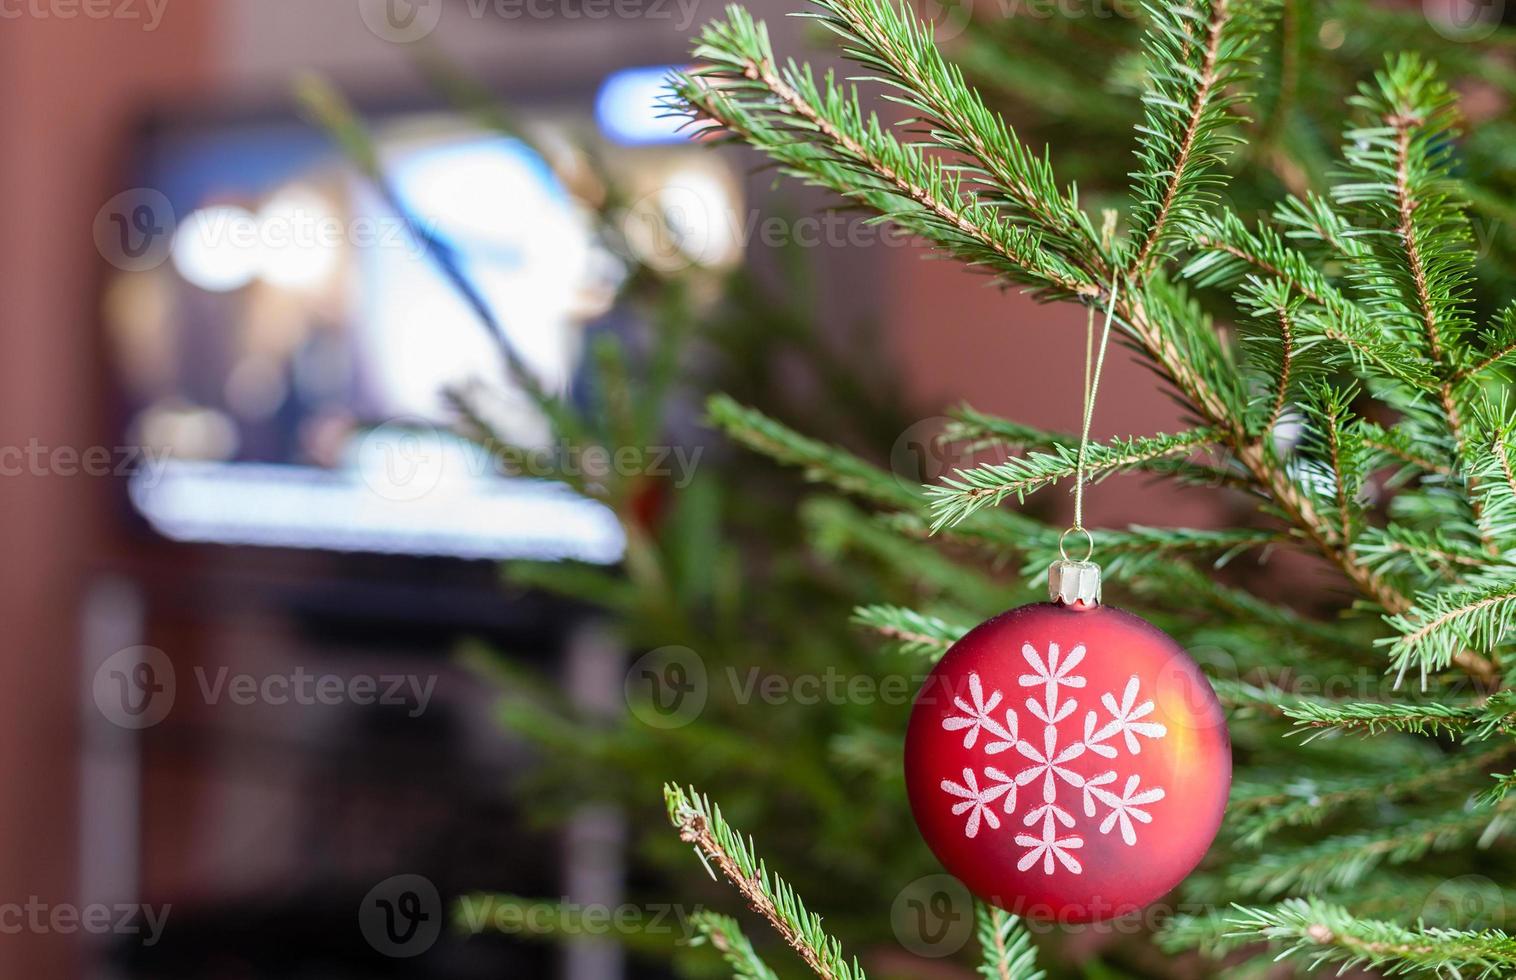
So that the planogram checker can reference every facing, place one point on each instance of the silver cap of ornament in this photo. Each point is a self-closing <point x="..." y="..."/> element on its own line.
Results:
<point x="1074" y="582"/>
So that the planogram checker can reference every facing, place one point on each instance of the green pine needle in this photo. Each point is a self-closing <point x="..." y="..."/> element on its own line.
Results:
<point x="1443" y="624"/>
<point x="1006" y="948"/>
<point x="1199" y="57"/>
<point x="967" y="491"/>
<point x="1497" y="715"/>
<point x="1320" y="934"/>
<point x="723" y="849"/>
<point x="914" y="633"/>
<point x="726" y="937"/>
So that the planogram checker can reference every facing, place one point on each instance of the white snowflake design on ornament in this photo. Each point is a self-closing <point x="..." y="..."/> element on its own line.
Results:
<point x="977" y="716"/>
<point x="976" y="801"/>
<point x="1056" y="831"/>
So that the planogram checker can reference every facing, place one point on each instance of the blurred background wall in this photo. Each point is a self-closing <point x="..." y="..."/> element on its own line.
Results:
<point x="72" y="88"/>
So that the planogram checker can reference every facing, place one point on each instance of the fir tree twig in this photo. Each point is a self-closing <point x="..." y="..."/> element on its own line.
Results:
<point x="1006" y="950"/>
<point x="726" y="937"/>
<point x="701" y="824"/>
<point x="1322" y="933"/>
<point x="967" y="491"/>
<point x="915" y="633"/>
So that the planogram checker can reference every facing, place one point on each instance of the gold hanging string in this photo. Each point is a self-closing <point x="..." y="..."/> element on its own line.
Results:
<point x="1094" y="363"/>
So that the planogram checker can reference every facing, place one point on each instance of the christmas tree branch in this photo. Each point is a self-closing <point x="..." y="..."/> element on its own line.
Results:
<point x="1496" y="715"/>
<point x="916" y="634"/>
<point x="1166" y="580"/>
<point x="1313" y="219"/>
<point x="726" y="937"/>
<point x="1432" y="555"/>
<point x="975" y="431"/>
<point x="1333" y="415"/>
<point x="1272" y="478"/>
<point x="1187" y="114"/>
<point x="1500" y="347"/>
<point x="1491" y="466"/>
<point x="820" y="462"/>
<point x="967" y="491"/>
<point x="980" y="430"/>
<point x="820" y="134"/>
<point x="1310" y="801"/>
<point x="1225" y="251"/>
<point x="1006" y="947"/>
<point x="1444" y="625"/>
<point x="1419" y="269"/>
<point x="1321" y="933"/>
<point x="1266" y="700"/>
<point x="701" y="824"/>
<point x="837" y="527"/>
<point x="1287" y="343"/>
<point x="1344" y="861"/>
<point x="1347" y="326"/>
<point x="889" y="39"/>
<point x="1227" y="543"/>
<point x="1397" y="445"/>
<point x="1208" y="932"/>
<point x="1403" y="162"/>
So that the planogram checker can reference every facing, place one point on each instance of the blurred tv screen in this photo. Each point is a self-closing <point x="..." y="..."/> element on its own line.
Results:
<point x="287" y="358"/>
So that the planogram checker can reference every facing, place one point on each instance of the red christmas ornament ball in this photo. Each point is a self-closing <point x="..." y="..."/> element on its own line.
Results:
<point x="1068" y="762"/>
